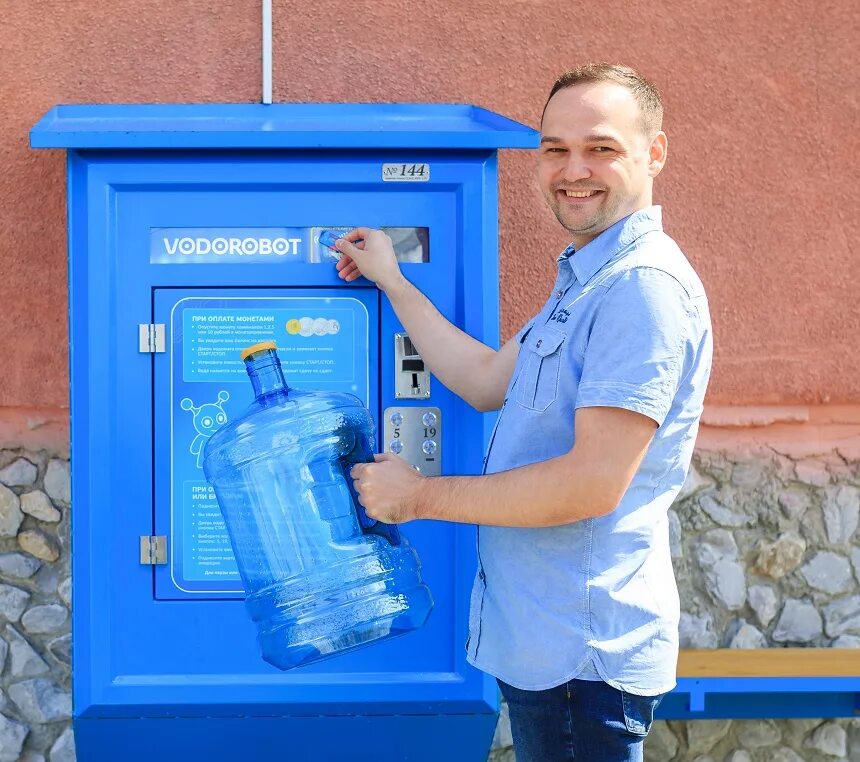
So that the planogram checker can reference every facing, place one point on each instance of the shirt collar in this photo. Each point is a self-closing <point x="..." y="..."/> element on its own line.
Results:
<point x="597" y="252"/>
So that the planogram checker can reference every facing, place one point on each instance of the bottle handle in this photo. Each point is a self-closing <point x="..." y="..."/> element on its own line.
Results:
<point x="364" y="521"/>
<point x="363" y="453"/>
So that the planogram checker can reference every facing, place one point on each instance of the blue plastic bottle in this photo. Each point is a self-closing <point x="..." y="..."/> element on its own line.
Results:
<point x="320" y="577"/>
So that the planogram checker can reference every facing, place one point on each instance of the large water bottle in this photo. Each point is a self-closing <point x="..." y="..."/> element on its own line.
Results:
<point x="320" y="576"/>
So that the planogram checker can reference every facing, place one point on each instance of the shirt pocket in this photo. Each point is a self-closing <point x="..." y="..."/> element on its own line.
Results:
<point x="537" y="384"/>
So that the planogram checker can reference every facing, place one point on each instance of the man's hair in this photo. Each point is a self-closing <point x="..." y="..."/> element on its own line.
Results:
<point x="645" y="93"/>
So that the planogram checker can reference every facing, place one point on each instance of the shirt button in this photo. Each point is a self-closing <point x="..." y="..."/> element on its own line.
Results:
<point x="558" y="294"/>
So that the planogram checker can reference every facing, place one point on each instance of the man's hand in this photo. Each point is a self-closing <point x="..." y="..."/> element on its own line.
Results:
<point x="389" y="489"/>
<point x="373" y="258"/>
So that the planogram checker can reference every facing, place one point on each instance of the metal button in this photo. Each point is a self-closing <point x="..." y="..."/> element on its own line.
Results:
<point x="396" y="419"/>
<point x="396" y="447"/>
<point x="428" y="419"/>
<point x="429" y="447"/>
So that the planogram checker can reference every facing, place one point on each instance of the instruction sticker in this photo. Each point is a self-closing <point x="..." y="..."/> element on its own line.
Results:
<point x="322" y="345"/>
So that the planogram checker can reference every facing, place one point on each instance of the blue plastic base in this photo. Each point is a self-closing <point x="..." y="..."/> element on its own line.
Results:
<point x="453" y="738"/>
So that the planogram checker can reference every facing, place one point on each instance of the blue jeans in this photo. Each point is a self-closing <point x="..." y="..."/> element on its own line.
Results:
<point x="585" y="720"/>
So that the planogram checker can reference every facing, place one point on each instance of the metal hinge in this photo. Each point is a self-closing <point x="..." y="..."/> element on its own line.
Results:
<point x="153" y="549"/>
<point x="151" y="337"/>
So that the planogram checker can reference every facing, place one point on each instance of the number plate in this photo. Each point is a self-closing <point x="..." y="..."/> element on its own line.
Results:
<point x="406" y="172"/>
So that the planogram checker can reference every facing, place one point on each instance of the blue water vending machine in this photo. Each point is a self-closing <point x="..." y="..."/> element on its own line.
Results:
<point x="194" y="233"/>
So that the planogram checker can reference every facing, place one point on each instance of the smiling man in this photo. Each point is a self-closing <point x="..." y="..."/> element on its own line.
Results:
<point x="574" y="608"/>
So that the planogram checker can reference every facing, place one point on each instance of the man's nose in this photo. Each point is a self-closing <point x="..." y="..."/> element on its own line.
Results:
<point x="575" y="168"/>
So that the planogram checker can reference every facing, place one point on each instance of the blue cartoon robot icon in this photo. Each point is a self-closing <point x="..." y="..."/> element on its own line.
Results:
<point x="207" y="418"/>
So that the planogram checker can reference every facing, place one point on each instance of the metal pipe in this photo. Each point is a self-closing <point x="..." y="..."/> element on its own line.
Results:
<point x="267" y="51"/>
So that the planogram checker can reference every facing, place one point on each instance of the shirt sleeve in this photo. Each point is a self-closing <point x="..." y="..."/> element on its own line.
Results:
<point x="634" y="355"/>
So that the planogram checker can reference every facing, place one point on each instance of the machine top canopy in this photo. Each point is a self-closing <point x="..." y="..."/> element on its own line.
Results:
<point x="282" y="125"/>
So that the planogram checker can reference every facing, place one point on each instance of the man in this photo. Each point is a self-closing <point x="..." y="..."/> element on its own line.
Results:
<point x="574" y="609"/>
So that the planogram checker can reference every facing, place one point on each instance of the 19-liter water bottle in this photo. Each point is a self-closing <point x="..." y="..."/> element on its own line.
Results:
<point x="320" y="576"/>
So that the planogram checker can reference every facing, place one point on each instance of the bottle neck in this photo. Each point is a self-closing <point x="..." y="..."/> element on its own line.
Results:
<point x="267" y="378"/>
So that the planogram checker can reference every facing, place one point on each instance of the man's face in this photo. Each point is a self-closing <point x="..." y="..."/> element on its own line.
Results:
<point x="596" y="164"/>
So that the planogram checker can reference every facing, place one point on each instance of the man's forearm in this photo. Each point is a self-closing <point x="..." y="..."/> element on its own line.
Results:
<point x="454" y="357"/>
<point x="587" y="481"/>
<point x="550" y="493"/>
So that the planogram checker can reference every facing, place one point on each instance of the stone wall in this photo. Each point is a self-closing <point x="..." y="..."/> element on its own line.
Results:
<point x="764" y="554"/>
<point x="35" y="599"/>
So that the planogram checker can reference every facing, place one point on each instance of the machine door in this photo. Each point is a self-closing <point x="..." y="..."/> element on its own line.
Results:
<point x="173" y="638"/>
<point x="327" y="341"/>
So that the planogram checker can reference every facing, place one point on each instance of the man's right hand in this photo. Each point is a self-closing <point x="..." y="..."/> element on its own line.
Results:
<point x="370" y="253"/>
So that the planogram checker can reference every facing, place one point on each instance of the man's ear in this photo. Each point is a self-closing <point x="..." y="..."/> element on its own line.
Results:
<point x="657" y="153"/>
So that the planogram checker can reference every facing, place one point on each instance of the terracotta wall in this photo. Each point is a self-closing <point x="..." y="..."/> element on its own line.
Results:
<point x="761" y="189"/>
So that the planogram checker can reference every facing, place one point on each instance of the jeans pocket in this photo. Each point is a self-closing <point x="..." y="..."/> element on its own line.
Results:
<point x="639" y="712"/>
<point x="537" y="384"/>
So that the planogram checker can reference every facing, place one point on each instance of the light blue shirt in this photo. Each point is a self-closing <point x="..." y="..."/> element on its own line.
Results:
<point x="627" y="326"/>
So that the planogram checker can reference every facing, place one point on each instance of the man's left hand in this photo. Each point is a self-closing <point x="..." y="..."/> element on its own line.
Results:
<point x="389" y="489"/>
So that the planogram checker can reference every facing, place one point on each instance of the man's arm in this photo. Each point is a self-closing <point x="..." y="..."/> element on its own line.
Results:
<point x="470" y="369"/>
<point x="588" y="481"/>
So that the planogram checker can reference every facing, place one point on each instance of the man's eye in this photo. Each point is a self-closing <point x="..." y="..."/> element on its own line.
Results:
<point x="603" y="149"/>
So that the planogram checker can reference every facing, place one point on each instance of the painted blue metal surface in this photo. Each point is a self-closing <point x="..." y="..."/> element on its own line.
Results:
<point x="288" y="739"/>
<point x="282" y="125"/>
<point x="750" y="697"/>
<point x="174" y="651"/>
<point x="147" y="650"/>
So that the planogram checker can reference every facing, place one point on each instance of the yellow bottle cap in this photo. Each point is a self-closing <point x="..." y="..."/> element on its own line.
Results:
<point x="248" y="351"/>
